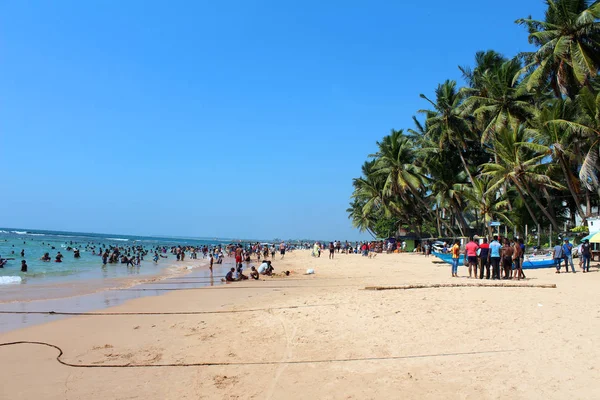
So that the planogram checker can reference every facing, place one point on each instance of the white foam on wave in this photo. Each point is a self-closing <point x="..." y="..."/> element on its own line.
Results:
<point x="3" y="231"/>
<point x="118" y="239"/>
<point x="20" y="232"/>
<point x="8" y="280"/>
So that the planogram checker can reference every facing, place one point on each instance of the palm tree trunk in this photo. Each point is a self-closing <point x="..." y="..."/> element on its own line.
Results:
<point x="588" y="204"/>
<point x="565" y="170"/>
<point x="527" y="206"/>
<point x="541" y="206"/>
<point x="462" y="223"/>
<point x="428" y="210"/>
<point x="464" y="163"/>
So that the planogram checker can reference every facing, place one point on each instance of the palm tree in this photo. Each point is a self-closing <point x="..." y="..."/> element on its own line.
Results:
<point x="445" y="124"/>
<point x="396" y="163"/>
<point x="490" y="204"/>
<point x="560" y="143"/>
<point x="498" y="101"/>
<point x="523" y="163"/>
<point x="484" y="61"/>
<point x="587" y="126"/>
<point x="568" y="42"/>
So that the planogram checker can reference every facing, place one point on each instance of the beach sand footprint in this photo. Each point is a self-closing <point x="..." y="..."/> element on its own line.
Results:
<point x="224" y="381"/>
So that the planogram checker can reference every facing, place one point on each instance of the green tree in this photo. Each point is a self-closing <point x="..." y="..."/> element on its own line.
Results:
<point x="568" y="41"/>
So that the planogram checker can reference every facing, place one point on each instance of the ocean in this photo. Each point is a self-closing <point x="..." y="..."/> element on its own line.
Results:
<point x="35" y="243"/>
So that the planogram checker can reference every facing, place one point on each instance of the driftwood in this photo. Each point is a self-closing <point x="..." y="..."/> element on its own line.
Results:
<point x="451" y="285"/>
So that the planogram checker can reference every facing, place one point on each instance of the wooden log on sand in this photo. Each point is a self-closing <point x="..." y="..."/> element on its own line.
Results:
<point x="452" y="285"/>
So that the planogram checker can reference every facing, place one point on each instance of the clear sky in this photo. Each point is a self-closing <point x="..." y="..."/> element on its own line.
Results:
<point x="218" y="118"/>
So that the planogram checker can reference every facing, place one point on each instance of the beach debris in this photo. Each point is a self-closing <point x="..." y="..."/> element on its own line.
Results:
<point x="452" y="285"/>
<point x="540" y="305"/>
<point x="310" y="271"/>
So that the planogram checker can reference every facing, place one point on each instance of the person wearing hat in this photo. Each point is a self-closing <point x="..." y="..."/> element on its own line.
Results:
<point x="568" y="255"/>
<point x="586" y="255"/>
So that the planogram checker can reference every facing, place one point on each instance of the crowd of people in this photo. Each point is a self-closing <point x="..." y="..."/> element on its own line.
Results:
<point x="503" y="258"/>
<point x="366" y="249"/>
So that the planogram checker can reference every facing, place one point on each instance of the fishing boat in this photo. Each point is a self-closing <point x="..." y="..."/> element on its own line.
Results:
<point x="530" y="262"/>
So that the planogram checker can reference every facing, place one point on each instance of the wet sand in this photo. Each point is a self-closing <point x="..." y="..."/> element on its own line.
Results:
<point x="324" y="336"/>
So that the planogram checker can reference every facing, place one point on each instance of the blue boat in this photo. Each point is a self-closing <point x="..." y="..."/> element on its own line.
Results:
<point x="531" y="262"/>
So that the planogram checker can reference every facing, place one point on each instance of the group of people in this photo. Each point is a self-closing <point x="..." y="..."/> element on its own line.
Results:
<point x="564" y="252"/>
<point x="500" y="259"/>
<point x="503" y="258"/>
<point x="365" y="249"/>
<point x="265" y="268"/>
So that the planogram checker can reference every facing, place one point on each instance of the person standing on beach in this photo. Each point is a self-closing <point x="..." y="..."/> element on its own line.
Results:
<point x="495" y="247"/>
<point x="507" y="259"/>
<point x="331" y="250"/>
<point x="557" y="254"/>
<point x="471" y="254"/>
<point x="568" y="255"/>
<point x="586" y="255"/>
<point x="455" y="256"/>
<point x="517" y="257"/>
<point x="212" y="259"/>
<point x="238" y="256"/>
<point x="282" y="249"/>
<point x="484" y="259"/>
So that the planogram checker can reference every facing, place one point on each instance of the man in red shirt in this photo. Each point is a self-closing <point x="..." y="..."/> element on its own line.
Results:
<point x="471" y="255"/>
<point x="484" y="259"/>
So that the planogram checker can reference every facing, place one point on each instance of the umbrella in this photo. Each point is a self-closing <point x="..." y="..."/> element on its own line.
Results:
<point x="593" y="238"/>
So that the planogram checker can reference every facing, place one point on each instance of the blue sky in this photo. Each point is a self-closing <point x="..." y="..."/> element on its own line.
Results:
<point x="230" y="118"/>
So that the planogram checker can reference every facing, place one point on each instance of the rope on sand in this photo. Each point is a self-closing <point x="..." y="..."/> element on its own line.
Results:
<point x="453" y="285"/>
<point x="250" y="363"/>
<point x="170" y="312"/>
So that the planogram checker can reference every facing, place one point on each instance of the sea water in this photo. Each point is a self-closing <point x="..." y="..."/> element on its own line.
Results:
<point x="89" y="266"/>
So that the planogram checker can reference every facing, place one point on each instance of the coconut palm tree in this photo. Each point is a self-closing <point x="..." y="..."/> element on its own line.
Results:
<point x="490" y="204"/>
<point x="523" y="163"/>
<point x="498" y="101"/>
<point x="568" y="41"/>
<point x="560" y="143"/>
<point x="587" y="126"/>
<point x="446" y="125"/>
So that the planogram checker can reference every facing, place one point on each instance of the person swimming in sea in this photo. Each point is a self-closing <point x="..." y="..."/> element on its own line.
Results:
<point x="45" y="257"/>
<point x="23" y="266"/>
<point x="76" y="253"/>
<point x="59" y="257"/>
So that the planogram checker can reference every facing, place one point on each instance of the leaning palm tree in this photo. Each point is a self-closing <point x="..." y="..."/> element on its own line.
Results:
<point x="586" y="125"/>
<point x="568" y="42"/>
<point x="523" y="163"/>
<point x="560" y="141"/>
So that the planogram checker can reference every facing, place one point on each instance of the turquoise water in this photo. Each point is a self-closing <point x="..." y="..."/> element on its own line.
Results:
<point x="37" y="242"/>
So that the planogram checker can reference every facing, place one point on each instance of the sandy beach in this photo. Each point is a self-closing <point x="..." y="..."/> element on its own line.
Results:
<point x="323" y="336"/>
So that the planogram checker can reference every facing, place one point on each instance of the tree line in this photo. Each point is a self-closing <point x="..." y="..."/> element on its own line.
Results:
<point x="519" y="143"/>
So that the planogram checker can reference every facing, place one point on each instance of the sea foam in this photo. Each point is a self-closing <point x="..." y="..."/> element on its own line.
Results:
<point x="7" y="280"/>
